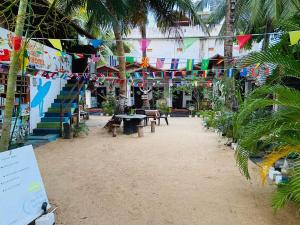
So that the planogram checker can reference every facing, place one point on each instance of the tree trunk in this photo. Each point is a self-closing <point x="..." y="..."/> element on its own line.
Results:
<point x="12" y="76"/>
<point x="229" y="32"/>
<point x="144" y="36"/>
<point x="121" y="57"/>
<point x="228" y="47"/>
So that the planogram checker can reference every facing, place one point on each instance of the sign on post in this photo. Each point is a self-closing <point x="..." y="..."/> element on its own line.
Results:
<point x="22" y="191"/>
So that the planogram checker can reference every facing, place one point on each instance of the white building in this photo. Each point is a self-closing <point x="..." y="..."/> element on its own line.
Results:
<point x="196" y="45"/>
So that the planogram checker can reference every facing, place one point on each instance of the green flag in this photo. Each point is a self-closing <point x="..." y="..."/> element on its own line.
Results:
<point x="294" y="37"/>
<point x="204" y="64"/>
<point x="129" y="59"/>
<point x="190" y="64"/>
<point x="188" y="42"/>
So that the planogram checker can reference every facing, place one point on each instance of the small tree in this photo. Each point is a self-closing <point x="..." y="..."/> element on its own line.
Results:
<point x="12" y="76"/>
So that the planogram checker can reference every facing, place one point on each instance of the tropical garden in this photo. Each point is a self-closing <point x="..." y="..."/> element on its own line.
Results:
<point x="262" y="122"/>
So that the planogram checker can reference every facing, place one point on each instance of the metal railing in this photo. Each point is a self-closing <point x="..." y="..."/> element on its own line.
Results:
<point x="78" y="85"/>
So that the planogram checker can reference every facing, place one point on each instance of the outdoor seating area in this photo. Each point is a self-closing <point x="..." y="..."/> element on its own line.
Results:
<point x="139" y="112"/>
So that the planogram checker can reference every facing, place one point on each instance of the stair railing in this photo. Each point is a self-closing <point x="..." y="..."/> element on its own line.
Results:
<point x="79" y="86"/>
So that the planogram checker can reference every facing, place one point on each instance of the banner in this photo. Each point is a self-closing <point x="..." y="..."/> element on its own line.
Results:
<point x="41" y="57"/>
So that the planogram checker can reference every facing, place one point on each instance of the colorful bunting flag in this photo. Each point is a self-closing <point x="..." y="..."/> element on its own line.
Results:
<point x="145" y="62"/>
<point x="190" y="64"/>
<point x="218" y="73"/>
<point x="129" y="59"/>
<point x="244" y="72"/>
<point x="78" y="56"/>
<point x="204" y="64"/>
<point x="16" y="43"/>
<point x="174" y="64"/>
<point x="243" y="39"/>
<point x="230" y="72"/>
<point x="144" y="43"/>
<point x="112" y="61"/>
<point x="160" y="63"/>
<point x="188" y="42"/>
<point x="96" y="43"/>
<point x="56" y="43"/>
<point x="294" y="37"/>
<point x="95" y="58"/>
<point x="4" y="55"/>
<point x="255" y="72"/>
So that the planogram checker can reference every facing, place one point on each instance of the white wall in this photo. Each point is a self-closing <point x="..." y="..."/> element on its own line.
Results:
<point x="168" y="49"/>
<point x="41" y="97"/>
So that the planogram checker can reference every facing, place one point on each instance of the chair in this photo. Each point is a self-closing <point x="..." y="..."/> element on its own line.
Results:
<point x="163" y="116"/>
<point x="142" y="112"/>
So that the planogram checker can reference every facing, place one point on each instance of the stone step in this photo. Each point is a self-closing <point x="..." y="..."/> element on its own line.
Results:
<point x="47" y="138"/>
<point x="51" y="125"/>
<point x="57" y="105"/>
<point x="55" y="119"/>
<point x="50" y="114"/>
<point x="45" y="131"/>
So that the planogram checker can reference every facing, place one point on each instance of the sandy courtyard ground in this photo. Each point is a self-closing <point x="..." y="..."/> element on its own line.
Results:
<point x="181" y="175"/>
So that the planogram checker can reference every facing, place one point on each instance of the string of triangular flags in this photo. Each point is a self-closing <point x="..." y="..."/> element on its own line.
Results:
<point x="255" y="71"/>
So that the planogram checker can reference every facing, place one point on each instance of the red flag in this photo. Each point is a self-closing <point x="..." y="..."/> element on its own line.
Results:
<point x="208" y="83"/>
<point x="4" y="55"/>
<point x="243" y="39"/>
<point x="17" y="42"/>
<point x="255" y="72"/>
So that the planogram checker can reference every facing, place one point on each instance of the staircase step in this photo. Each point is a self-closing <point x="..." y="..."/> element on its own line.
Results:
<point x="50" y="114"/>
<point x="66" y="101"/>
<point x="57" y="110"/>
<point x="45" y="131"/>
<point x="67" y="97"/>
<point x="51" y="125"/>
<point x="55" y="119"/>
<point x="57" y="105"/>
<point x="68" y="92"/>
<point x="48" y="137"/>
<point x="69" y="88"/>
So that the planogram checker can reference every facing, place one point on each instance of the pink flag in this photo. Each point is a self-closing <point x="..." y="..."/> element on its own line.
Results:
<point x="160" y="63"/>
<point x="243" y="39"/>
<point x="144" y="43"/>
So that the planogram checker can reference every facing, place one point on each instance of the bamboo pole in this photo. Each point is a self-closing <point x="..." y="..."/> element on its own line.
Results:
<point x="12" y="76"/>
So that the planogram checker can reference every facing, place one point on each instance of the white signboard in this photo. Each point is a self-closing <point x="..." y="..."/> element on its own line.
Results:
<point x="22" y="191"/>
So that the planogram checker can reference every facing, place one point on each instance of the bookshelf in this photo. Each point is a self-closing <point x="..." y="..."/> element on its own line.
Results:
<point x="22" y="92"/>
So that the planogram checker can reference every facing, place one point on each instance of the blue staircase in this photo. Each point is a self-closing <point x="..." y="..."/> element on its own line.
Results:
<point x="49" y="128"/>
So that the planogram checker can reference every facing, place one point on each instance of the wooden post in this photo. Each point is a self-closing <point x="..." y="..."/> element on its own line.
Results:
<point x="153" y="122"/>
<point x="140" y="130"/>
<point x="114" y="129"/>
<point x="78" y="102"/>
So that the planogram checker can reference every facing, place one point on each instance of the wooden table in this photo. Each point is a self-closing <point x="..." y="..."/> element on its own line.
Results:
<point x="131" y="122"/>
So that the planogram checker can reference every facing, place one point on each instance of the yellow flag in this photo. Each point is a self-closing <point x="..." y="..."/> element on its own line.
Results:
<point x="294" y="37"/>
<point x="56" y="43"/>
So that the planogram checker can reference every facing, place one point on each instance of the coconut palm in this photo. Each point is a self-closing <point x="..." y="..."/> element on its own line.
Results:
<point x="276" y="132"/>
<point x="166" y="13"/>
<point x="255" y="16"/>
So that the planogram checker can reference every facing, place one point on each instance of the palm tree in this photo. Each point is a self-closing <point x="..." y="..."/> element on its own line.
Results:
<point x="258" y="127"/>
<point x="12" y="76"/>
<point x="166" y="13"/>
<point x="109" y="14"/>
<point x="254" y="16"/>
